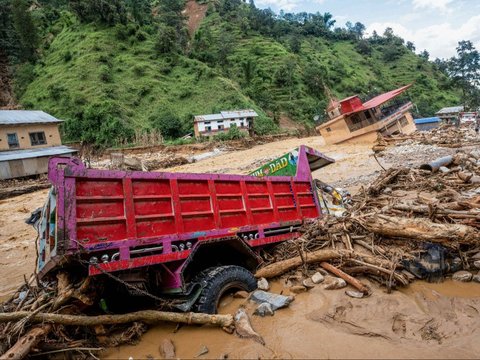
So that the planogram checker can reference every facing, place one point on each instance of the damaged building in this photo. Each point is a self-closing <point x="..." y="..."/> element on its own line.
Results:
<point x="350" y="120"/>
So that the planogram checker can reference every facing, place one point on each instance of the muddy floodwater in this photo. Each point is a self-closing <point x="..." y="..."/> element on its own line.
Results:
<point x="422" y="321"/>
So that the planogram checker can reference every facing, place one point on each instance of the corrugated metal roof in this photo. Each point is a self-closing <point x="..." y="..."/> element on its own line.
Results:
<point x="238" y="114"/>
<point x="427" y="120"/>
<point x="209" y="117"/>
<point x="226" y="115"/>
<point x="450" y="110"/>
<point x="33" y="153"/>
<point x="18" y="117"/>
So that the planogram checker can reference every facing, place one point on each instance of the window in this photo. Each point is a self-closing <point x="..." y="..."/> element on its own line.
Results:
<point x="207" y="122"/>
<point x="220" y="127"/>
<point x="241" y="124"/>
<point x="403" y="121"/>
<point x="12" y="141"/>
<point x="38" y="138"/>
<point x="208" y="128"/>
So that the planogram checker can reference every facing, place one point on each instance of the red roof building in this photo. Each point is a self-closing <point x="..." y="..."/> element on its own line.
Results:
<point x="354" y="121"/>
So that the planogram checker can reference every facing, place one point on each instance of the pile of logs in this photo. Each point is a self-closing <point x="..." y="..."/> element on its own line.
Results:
<point x="391" y="220"/>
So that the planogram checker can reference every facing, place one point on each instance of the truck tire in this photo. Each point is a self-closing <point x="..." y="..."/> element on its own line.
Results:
<point x="218" y="280"/>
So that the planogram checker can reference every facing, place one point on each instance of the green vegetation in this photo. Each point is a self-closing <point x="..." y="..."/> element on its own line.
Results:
<point x="116" y="68"/>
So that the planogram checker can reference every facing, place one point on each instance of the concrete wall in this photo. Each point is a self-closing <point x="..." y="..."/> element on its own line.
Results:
<point x="52" y="135"/>
<point x="23" y="167"/>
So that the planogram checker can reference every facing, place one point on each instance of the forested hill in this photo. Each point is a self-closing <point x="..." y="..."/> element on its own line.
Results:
<point x="116" y="68"/>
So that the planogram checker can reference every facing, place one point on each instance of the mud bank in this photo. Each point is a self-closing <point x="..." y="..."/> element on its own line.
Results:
<point x="424" y="321"/>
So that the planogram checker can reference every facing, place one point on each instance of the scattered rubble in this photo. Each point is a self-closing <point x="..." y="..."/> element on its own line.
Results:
<point x="264" y="309"/>
<point x="317" y="278"/>
<point x="275" y="300"/>
<point x="334" y="283"/>
<point x="262" y="284"/>
<point x="463" y="276"/>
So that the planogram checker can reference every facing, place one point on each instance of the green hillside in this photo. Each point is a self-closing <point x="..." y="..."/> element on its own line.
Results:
<point x="123" y="74"/>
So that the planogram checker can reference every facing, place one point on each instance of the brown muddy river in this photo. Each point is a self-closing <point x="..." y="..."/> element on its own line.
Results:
<point x="423" y="321"/>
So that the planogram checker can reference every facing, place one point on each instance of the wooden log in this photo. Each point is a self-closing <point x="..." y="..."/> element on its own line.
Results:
<point x="281" y="267"/>
<point x="349" y="279"/>
<point x="378" y="185"/>
<point x="145" y="316"/>
<point x="374" y="269"/>
<point x="420" y="230"/>
<point x="25" y="344"/>
<point x="423" y="209"/>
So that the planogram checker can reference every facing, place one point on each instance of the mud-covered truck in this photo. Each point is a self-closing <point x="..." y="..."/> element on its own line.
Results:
<point x="191" y="237"/>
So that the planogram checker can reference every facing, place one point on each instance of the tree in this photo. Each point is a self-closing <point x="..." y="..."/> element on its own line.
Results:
<point x="166" y="40"/>
<point x="358" y="29"/>
<point x="295" y="43"/>
<point x="410" y="46"/>
<point x="314" y="77"/>
<point x="25" y="29"/>
<point x="328" y="20"/>
<point x="168" y="123"/>
<point x="424" y="55"/>
<point x="465" y="70"/>
<point x="108" y="12"/>
<point x="248" y="67"/>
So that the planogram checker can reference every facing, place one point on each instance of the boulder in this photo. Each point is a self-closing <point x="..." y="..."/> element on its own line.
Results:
<point x="262" y="284"/>
<point x="275" y="300"/>
<point x="334" y="283"/>
<point x="476" y="263"/>
<point x="264" y="309"/>
<point x="317" y="278"/>
<point x="464" y="276"/>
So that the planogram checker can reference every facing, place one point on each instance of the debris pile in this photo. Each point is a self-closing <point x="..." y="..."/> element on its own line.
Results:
<point x="67" y="314"/>
<point x="407" y="224"/>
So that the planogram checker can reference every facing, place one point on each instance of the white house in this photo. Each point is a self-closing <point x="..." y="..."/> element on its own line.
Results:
<point x="212" y="124"/>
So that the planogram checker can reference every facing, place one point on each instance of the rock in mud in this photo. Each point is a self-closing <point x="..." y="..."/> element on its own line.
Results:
<point x="464" y="276"/>
<point x="243" y="327"/>
<point x="476" y="278"/>
<point x="167" y="349"/>
<point x="476" y="264"/>
<point x="203" y="351"/>
<point x="476" y="256"/>
<point x="241" y="294"/>
<point x="334" y="283"/>
<point x="308" y="283"/>
<point x="264" y="309"/>
<point x="317" y="278"/>
<point x="354" y="294"/>
<point x="262" y="284"/>
<point x="297" y="289"/>
<point x="444" y="169"/>
<point x="275" y="300"/>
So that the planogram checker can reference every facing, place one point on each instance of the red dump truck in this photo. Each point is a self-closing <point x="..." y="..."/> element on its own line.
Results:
<point x="188" y="236"/>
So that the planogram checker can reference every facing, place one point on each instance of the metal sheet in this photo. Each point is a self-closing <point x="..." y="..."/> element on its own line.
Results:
<point x="17" y="117"/>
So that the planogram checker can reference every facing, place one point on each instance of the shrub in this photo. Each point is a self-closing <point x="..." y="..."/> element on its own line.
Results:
<point x="67" y="56"/>
<point x="105" y="74"/>
<point x="168" y="123"/>
<point x="233" y="133"/>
